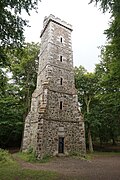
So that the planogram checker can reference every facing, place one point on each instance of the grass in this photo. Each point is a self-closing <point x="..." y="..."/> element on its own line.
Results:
<point x="30" y="157"/>
<point x="11" y="170"/>
<point x="5" y="157"/>
<point x="90" y="156"/>
<point x="106" y="153"/>
<point x="14" y="172"/>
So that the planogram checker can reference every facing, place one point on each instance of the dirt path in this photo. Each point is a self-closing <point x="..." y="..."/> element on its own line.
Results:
<point x="99" y="168"/>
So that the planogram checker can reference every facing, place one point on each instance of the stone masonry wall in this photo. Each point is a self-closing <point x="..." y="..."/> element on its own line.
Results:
<point x="73" y="133"/>
<point x="47" y="122"/>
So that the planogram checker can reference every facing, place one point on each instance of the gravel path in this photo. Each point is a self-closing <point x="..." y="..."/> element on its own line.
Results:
<point x="99" y="168"/>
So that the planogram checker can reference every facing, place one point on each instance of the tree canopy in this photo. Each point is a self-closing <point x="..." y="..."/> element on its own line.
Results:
<point x="108" y="72"/>
<point x="100" y="104"/>
<point x="108" y="5"/>
<point x="12" y="23"/>
<point x="17" y="83"/>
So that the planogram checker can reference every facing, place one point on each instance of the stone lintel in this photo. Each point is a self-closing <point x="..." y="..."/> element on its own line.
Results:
<point x="62" y="92"/>
<point x="58" y="120"/>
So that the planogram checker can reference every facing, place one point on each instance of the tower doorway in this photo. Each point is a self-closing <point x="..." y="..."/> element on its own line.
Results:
<point x="61" y="145"/>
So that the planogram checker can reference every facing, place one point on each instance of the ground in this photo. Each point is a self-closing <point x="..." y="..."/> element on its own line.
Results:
<point x="100" y="167"/>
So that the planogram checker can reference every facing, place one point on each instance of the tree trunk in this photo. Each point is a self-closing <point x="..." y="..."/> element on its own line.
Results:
<point x="87" y="101"/>
<point x="90" y="141"/>
<point x="113" y="141"/>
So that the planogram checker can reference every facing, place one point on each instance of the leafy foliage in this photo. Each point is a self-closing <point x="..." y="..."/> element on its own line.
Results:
<point x="106" y="5"/>
<point x="15" y="92"/>
<point x="24" y="64"/>
<point x="100" y="103"/>
<point x="109" y="70"/>
<point x="5" y="157"/>
<point x="86" y="84"/>
<point x="11" y="23"/>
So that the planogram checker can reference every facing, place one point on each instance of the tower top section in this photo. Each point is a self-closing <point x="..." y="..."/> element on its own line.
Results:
<point x="56" y="20"/>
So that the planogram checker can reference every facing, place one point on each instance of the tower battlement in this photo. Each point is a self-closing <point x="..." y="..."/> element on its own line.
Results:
<point x="56" y="20"/>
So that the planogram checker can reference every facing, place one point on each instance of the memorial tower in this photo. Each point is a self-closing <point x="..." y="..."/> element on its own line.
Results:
<point x="54" y="124"/>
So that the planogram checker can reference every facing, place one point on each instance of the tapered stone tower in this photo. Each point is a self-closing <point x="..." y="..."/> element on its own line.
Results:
<point x="54" y="124"/>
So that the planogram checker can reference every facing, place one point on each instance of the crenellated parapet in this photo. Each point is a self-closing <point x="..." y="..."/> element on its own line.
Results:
<point x="56" y="20"/>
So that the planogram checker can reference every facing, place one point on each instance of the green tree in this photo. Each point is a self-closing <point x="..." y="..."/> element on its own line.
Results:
<point x="108" y="5"/>
<point x="86" y="84"/>
<point x="11" y="121"/>
<point x="12" y="24"/>
<point x="24" y="66"/>
<point x="16" y="90"/>
<point x="109" y="96"/>
<point x="111" y="52"/>
<point x="110" y="66"/>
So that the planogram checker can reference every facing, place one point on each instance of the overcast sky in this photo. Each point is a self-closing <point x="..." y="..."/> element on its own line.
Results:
<point x="88" y="27"/>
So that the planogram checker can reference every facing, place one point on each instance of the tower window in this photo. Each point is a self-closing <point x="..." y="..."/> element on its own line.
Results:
<point x="61" y="39"/>
<point x="61" y="81"/>
<point x="61" y="105"/>
<point x="61" y="58"/>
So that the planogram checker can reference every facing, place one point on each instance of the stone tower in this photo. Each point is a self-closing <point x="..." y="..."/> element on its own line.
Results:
<point x="54" y="124"/>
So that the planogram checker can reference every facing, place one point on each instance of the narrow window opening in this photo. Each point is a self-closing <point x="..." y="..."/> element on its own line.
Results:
<point x="61" y="58"/>
<point x="61" y="145"/>
<point x="61" y="105"/>
<point x="61" y="81"/>
<point x="61" y="40"/>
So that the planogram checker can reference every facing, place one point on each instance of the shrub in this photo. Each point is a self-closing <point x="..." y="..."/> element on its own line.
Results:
<point x="5" y="157"/>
